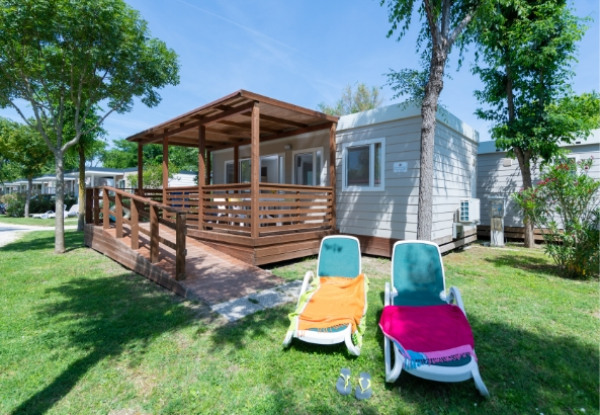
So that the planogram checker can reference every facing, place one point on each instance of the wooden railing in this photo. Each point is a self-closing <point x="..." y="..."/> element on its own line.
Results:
<point x="282" y="208"/>
<point x="123" y="207"/>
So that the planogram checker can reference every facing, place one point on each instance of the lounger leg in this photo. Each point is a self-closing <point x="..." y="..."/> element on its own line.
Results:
<point x="391" y="372"/>
<point x="354" y="350"/>
<point x="288" y="339"/>
<point x="479" y="383"/>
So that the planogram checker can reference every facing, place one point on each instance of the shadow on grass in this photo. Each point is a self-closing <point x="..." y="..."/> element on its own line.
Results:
<point x="73" y="240"/>
<point x="106" y="316"/>
<point x="526" y="372"/>
<point x="526" y="263"/>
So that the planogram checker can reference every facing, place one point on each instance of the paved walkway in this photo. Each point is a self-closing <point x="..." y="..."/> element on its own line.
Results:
<point x="232" y="310"/>
<point x="10" y="233"/>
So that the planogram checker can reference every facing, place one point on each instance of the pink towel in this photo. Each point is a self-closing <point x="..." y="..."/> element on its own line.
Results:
<point x="428" y="334"/>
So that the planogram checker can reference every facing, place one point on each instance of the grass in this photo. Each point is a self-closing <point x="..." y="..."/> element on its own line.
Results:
<point x="80" y="334"/>
<point x="34" y="221"/>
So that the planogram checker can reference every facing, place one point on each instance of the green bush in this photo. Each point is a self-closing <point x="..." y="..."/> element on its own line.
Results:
<point x="566" y="203"/>
<point x="15" y="204"/>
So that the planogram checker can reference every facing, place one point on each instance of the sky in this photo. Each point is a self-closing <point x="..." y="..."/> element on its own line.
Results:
<point x="303" y="52"/>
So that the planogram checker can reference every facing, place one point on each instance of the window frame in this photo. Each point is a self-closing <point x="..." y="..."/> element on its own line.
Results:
<point x="372" y="186"/>
<point x="318" y="175"/>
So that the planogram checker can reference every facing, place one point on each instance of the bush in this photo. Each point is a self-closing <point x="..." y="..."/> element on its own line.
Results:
<point x="15" y="204"/>
<point x="566" y="203"/>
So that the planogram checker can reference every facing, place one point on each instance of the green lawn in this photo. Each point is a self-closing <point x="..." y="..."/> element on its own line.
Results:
<point x="34" y="221"/>
<point x="80" y="334"/>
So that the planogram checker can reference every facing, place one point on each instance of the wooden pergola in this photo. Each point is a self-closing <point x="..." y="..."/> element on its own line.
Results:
<point x="240" y="119"/>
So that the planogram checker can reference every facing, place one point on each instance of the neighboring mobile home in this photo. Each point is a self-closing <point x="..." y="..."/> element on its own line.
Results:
<point x="499" y="176"/>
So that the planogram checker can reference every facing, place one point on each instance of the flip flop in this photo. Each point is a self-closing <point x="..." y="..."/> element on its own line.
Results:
<point x="364" y="391"/>
<point x="343" y="382"/>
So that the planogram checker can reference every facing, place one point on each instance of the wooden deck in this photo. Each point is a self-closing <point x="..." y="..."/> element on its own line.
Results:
<point x="210" y="275"/>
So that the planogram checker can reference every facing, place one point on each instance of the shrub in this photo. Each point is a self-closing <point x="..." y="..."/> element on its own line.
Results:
<point x="566" y="203"/>
<point x="15" y="204"/>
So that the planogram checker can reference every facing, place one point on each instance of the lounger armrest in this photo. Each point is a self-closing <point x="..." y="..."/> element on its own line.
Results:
<point x="455" y="297"/>
<point x="308" y="277"/>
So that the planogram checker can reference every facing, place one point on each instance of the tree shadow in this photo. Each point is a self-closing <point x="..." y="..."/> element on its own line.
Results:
<point x="106" y="316"/>
<point x="526" y="263"/>
<point x="524" y="370"/>
<point x="73" y="240"/>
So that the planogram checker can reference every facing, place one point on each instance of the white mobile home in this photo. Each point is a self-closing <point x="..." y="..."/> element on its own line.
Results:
<point x="378" y="153"/>
<point x="499" y="177"/>
<point x="377" y="174"/>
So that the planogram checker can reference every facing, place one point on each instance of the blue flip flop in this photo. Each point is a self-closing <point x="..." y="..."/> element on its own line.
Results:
<point x="364" y="391"/>
<point x="343" y="382"/>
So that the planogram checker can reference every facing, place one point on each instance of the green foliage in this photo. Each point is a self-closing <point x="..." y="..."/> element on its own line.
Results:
<point x="527" y="49"/>
<point x="23" y="149"/>
<point x="152" y="177"/>
<point x="362" y="99"/>
<point x="566" y="201"/>
<point x="121" y="156"/>
<point x="66" y="59"/>
<point x="124" y="155"/>
<point x="15" y="204"/>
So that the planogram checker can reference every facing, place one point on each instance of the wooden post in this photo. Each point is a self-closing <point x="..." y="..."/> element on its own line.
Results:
<point x="201" y="175"/>
<point x="153" y="234"/>
<point x="140" y="178"/>
<point x="255" y="171"/>
<point x="135" y="225"/>
<point x="105" y="209"/>
<point x="119" y="215"/>
<point x="89" y="205"/>
<point x="165" y="171"/>
<point x="180" y="250"/>
<point x="96" y="206"/>
<point x="208" y="167"/>
<point x="332" y="176"/>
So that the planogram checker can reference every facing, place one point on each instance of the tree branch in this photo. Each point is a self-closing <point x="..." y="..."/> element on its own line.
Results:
<point x="433" y="29"/>
<point x="461" y="27"/>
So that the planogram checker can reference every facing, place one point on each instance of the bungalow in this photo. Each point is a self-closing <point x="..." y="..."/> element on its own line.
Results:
<point x="499" y="176"/>
<point x="377" y="172"/>
<point x="275" y="178"/>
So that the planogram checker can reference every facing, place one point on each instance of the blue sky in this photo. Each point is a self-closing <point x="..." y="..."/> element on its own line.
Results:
<point x="304" y="52"/>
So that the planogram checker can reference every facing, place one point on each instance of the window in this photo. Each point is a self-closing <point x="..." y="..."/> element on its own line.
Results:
<point x="244" y="171"/>
<point x="308" y="167"/>
<point x="363" y="164"/>
<point x="269" y="170"/>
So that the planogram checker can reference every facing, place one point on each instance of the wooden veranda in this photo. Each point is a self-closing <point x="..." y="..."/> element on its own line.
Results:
<point x="256" y="222"/>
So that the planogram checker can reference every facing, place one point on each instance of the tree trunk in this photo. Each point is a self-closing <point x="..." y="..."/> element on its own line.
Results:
<point x="28" y="196"/>
<point x="428" y="112"/>
<point x="81" y="188"/>
<point x="59" y="224"/>
<point x="524" y="159"/>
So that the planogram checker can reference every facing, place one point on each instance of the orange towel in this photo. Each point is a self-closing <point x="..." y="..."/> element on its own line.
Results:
<point x="338" y="301"/>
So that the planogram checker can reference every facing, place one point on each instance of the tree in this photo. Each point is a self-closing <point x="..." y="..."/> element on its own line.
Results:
<point x="360" y="100"/>
<point x="527" y="47"/>
<point x="121" y="156"/>
<point x="85" y="149"/>
<point x="26" y="151"/>
<point x="58" y="56"/>
<point x="444" y="24"/>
